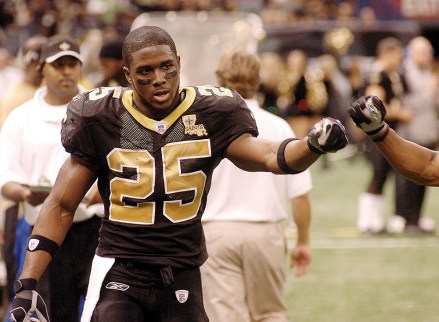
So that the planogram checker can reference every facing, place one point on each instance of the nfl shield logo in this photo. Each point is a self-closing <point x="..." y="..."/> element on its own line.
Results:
<point x="161" y="127"/>
<point x="182" y="295"/>
<point x="33" y="243"/>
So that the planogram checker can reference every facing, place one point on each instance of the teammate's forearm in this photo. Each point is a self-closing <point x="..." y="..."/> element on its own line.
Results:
<point x="410" y="159"/>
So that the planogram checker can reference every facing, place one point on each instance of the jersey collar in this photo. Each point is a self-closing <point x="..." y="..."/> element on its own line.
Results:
<point x="162" y="125"/>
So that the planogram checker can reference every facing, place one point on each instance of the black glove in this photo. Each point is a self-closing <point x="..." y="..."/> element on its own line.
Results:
<point x="368" y="113"/>
<point x="328" y="135"/>
<point x="28" y="305"/>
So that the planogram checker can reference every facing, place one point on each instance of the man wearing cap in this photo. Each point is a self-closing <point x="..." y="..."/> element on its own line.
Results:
<point x="30" y="157"/>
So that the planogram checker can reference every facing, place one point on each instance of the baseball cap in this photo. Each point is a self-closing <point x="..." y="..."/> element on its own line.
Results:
<point x="58" y="46"/>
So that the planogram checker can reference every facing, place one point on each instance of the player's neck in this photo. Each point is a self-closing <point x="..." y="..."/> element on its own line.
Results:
<point x="158" y="114"/>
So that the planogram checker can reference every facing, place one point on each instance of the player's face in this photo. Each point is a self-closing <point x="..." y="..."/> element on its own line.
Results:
<point x="62" y="77"/>
<point x="154" y="74"/>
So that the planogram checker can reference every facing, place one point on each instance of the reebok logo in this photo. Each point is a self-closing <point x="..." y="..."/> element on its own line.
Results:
<point x="117" y="286"/>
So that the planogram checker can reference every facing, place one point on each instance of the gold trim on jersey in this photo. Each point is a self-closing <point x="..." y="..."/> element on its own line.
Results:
<point x="162" y="125"/>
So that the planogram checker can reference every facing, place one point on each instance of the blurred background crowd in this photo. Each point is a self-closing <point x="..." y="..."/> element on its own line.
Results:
<point x="335" y="39"/>
<point x="343" y="29"/>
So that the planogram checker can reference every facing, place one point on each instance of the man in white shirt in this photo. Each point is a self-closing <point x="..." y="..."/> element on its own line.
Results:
<point x="244" y="276"/>
<point x="31" y="155"/>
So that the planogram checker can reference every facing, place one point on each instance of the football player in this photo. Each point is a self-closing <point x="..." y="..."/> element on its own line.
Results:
<point x="153" y="149"/>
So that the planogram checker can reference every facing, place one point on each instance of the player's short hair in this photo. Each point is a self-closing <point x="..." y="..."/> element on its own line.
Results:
<point x="239" y="70"/>
<point x="145" y="36"/>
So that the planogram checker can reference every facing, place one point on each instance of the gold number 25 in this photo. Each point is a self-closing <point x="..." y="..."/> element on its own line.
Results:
<point x="175" y="180"/>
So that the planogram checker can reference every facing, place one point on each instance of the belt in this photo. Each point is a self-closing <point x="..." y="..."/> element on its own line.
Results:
<point x="164" y="271"/>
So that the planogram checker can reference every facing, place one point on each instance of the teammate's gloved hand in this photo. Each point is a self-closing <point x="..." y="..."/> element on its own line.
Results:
<point x="27" y="303"/>
<point x="328" y="135"/>
<point x="368" y="113"/>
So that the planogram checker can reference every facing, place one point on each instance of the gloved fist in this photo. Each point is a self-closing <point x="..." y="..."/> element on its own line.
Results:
<point x="368" y="114"/>
<point x="328" y="135"/>
<point x="28" y="305"/>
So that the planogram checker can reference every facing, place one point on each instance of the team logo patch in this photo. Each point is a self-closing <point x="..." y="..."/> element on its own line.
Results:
<point x="161" y="127"/>
<point x="33" y="243"/>
<point x="190" y="126"/>
<point x="182" y="295"/>
<point x="117" y="286"/>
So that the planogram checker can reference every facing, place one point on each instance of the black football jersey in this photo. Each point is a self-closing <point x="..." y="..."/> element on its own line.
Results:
<point x="154" y="175"/>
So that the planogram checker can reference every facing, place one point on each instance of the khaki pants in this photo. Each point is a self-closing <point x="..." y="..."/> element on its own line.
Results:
<point x="244" y="276"/>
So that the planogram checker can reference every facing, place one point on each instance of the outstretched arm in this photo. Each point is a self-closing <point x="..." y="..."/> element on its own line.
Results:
<point x="254" y="154"/>
<point x="290" y="156"/>
<point x="417" y="163"/>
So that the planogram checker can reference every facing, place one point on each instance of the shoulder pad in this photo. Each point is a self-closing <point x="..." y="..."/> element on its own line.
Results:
<point x="221" y="97"/>
<point x="95" y="101"/>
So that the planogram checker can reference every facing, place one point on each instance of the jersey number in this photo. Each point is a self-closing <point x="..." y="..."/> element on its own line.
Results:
<point x="208" y="90"/>
<point x="143" y="186"/>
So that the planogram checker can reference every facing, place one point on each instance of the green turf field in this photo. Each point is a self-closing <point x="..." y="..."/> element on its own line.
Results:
<point x="356" y="278"/>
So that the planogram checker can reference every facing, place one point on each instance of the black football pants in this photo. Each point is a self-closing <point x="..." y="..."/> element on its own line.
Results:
<point x="150" y="294"/>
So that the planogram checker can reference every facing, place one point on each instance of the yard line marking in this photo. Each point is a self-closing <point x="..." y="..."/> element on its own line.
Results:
<point x="371" y="242"/>
<point x="350" y="238"/>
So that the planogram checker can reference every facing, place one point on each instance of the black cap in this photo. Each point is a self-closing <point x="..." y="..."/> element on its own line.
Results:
<point x="58" y="46"/>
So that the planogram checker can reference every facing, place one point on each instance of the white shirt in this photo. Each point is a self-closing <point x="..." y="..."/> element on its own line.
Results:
<point x="31" y="149"/>
<point x="8" y="76"/>
<point x="238" y="195"/>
